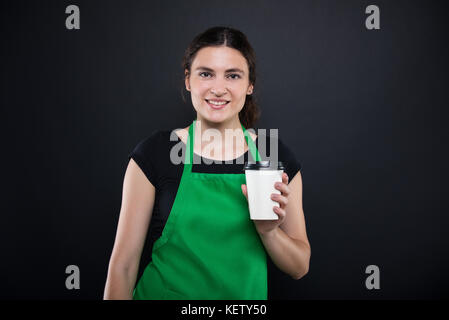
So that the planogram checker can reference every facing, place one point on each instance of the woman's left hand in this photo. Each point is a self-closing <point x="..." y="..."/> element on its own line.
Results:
<point x="264" y="227"/>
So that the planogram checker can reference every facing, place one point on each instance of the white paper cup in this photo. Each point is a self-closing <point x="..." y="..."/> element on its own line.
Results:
<point x="260" y="180"/>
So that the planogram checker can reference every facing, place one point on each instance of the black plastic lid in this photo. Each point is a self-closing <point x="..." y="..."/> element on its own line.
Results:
<point x="263" y="165"/>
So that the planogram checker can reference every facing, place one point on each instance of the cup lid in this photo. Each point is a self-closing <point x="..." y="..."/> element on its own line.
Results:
<point x="263" y="165"/>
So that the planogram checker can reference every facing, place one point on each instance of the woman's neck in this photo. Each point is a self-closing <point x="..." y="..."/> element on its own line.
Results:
<point x="227" y="137"/>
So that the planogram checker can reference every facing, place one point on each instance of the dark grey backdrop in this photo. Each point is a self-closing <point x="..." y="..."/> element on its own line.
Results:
<point x="363" y="110"/>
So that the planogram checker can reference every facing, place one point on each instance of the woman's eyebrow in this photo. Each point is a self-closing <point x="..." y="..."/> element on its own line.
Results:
<point x="228" y="70"/>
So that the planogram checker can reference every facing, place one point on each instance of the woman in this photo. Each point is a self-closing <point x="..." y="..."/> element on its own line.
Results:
<point x="204" y="245"/>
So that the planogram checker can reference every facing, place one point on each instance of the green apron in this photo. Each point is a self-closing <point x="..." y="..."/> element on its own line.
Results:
<point x="209" y="247"/>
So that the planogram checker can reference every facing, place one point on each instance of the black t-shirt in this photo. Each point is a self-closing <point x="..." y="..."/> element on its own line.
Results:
<point x="152" y="155"/>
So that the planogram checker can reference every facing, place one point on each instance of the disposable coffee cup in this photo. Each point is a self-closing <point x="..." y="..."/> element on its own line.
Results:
<point x="260" y="179"/>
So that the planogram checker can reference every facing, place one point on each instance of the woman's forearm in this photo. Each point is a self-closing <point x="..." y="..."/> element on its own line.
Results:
<point x="120" y="283"/>
<point x="289" y="255"/>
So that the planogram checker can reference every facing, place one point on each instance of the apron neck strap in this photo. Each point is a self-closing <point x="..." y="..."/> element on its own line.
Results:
<point x="191" y="137"/>
<point x="255" y="156"/>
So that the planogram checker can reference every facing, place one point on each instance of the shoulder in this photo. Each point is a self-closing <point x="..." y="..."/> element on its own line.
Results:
<point x="148" y="141"/>
<point x="152" y="153"/>
<point x="158" y="139"/>
<point x="271" y="140"/>
<point x="180" y="134"/>
<point x="286" y="153"/>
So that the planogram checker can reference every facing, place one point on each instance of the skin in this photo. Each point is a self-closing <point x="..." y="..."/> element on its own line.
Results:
<point x="285" y="240"/>
<point x="217" y="84"/>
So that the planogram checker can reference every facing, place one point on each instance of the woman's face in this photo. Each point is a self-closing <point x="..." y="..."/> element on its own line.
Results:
<point x="218" y="74"/>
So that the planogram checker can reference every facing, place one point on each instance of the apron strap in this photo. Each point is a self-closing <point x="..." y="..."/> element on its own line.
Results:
<point x="188" y="160"/>
<point x="252" y="146"/>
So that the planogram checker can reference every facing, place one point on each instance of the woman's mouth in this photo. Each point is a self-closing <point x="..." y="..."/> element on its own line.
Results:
<point x="217" y="104"/>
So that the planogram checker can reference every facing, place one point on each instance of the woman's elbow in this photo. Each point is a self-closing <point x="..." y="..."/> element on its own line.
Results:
<point x="123" y="264"/>
<point x="302" y="273"/>
<point x="304" y="266"/>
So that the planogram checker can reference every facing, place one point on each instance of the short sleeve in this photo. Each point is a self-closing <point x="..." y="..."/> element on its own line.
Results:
<point x="290" y="161"/>
<point x="143" y="155"/>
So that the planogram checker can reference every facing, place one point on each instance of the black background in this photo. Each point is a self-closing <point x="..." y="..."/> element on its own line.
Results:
<point x="363" y="110"/>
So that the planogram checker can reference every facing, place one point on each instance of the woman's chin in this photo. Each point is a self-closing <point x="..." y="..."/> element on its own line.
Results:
<point x="216" y="118"/>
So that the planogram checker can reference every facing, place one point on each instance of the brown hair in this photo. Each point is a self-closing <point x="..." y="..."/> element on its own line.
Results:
<point x="232" y="38"/>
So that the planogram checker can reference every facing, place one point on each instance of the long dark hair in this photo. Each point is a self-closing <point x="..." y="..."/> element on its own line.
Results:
<point x="232" y="38"/>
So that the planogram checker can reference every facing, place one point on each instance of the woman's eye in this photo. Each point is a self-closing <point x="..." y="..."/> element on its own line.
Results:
<point x="234" y="74"/>
<point x="204" y="73"/>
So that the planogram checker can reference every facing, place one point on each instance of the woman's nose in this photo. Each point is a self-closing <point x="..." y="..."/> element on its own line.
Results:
<point x="219" y="87"/>
<point x="218" y="92"/>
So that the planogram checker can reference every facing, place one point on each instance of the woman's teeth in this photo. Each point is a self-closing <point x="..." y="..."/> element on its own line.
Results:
<point x="217" y="103"/>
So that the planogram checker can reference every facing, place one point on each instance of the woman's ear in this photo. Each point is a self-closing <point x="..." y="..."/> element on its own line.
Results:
<point x="250" y="89"/>
<point x="187" y="80"/>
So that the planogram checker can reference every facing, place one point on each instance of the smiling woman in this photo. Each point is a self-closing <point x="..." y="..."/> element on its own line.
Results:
<point x="218" y="82"/>
<point x="203" y="243"/>
<point x="224" y="70"/>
